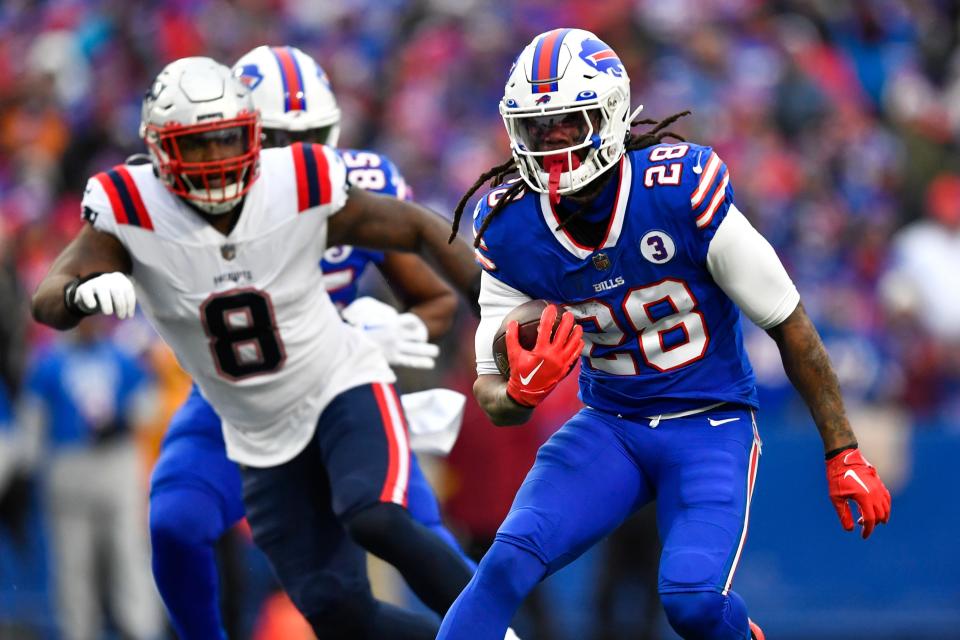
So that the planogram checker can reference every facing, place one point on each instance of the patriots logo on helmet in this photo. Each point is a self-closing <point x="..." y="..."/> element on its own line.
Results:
<point x="601" y="57"/>
<point x="249" y="74"/>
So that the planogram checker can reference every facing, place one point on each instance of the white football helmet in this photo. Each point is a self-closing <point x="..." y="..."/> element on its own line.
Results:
<point x="293" y="94"/>
<point x="566" y="79"/>
<point x="194" y="108"/>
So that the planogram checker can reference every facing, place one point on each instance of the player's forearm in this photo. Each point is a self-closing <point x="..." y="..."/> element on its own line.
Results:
<point x="807" y="364"/>
<point x="491" y="394"/>
<point x="454" y="259"/>
<point x="48" y="305"/>
<point x="437" y="313"/>
<point x="421" y="291"/>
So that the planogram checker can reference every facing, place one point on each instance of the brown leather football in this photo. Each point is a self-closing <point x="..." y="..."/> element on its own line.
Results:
<point x="528" y="316"/>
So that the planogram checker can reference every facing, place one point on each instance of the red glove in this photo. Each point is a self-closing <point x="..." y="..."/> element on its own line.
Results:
<point x="534" y="374"/>
<point x="851" y="477"/>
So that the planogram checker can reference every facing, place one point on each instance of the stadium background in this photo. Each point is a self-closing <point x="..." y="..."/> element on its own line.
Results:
<point x="839" y="121"/>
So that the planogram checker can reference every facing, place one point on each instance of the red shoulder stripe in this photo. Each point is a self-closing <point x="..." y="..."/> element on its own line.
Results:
<point x="323" y="173"/>
<point x="138" y="205"/>
<point x="313" y="176"/>
<point x="113" y="195"/>
<point x="301" y="171"/>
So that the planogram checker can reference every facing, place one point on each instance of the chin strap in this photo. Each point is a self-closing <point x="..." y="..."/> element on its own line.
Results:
<point x="636" y="112"/>
<point x="555" y="165"/>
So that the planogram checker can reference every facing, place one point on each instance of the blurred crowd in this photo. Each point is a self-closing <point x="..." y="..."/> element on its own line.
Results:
<point x="839" y="120"/>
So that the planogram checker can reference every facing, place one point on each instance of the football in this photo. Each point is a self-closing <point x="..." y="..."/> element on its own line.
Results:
<point x="528" y="316"/>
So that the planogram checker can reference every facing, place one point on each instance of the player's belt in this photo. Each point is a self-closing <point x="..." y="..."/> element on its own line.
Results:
<point x="655" y="420"/>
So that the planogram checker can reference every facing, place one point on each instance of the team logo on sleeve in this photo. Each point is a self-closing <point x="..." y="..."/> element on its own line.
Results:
<point x="601" y="57"/>
<point x="249" y="74"/>
<point x="657" y="247"/>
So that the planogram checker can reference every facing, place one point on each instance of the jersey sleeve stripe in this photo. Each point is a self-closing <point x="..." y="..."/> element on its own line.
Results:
<point x="704" y="219"/>
<point x="142" y="217"/>
<point x="709" y="174"/>
<point x="323" y="174"/>
<point x="484" y="261"/>
<point x="301" y="171"/>
<point x="310" y="166"/>
<point x="111" y="190"/>
<point x="313" y="176"/>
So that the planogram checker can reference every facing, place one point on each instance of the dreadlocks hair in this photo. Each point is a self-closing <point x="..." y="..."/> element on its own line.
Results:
<point x="497" y="174"/>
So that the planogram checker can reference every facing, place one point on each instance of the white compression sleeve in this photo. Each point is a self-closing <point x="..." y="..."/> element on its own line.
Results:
<point x="748" y="270"/>
<point x="496" y="301"/>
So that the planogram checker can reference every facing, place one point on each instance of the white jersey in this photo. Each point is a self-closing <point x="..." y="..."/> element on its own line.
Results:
<point x="246" y="313"/>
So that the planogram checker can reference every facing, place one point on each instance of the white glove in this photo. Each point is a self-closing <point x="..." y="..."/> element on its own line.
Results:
<point x="434" y="417"/>
<point x="110" y="293"/>
<point x="402" y="337"/>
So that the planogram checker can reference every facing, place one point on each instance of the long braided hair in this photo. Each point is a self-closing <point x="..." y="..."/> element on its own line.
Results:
<point x="497" y="174"/>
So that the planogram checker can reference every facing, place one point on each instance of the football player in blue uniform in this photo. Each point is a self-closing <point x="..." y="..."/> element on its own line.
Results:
<point x="196" y="494"/>
<point x="641" y="244"/>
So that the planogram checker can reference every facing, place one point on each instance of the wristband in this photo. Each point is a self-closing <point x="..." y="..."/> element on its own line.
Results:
<point x="69" y="293"/>
<point x="835" y="452"/>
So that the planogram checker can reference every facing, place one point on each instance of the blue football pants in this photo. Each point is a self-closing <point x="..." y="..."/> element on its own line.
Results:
<point x="593" y="473"/>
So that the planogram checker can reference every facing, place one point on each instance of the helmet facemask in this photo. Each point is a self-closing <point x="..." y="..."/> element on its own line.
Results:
<point x="212" y="164"/>
<point x="597" y="131"/>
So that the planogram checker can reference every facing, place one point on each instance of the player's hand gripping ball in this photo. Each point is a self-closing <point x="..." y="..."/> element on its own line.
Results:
<point x="535" y="348"/>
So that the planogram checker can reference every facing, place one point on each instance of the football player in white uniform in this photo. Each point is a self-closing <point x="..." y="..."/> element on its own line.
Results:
<point x="220" y="244"/>
<point x="195" y="491"/>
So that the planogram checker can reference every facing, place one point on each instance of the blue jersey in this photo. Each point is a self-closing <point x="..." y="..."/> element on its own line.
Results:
<point x="342" y="266"/>
<point x="86" y="390"/>
<point x="661" y="336"/>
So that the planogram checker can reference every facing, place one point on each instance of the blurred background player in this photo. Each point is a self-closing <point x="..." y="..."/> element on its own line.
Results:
<point x="225" y="240"/>
<point x="82" y="401"/>
<point x="196" y="491"/>
<point x="640" y="242"/>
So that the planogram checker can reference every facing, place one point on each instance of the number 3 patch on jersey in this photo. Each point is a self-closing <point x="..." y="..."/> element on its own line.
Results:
<point x="657" y="247"/>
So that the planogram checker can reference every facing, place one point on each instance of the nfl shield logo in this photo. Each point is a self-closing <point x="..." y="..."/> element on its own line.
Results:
<point x="228" y="251"/>
<point x="601" y="262"/>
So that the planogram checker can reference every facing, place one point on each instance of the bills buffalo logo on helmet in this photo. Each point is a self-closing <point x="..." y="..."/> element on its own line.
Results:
<point x="601" y="57"/>
<point x="543" y="99"/>
<point x="249" y="74"/>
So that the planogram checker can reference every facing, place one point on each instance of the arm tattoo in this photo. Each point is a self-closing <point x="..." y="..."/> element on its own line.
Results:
<point x="807" y="364"/>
